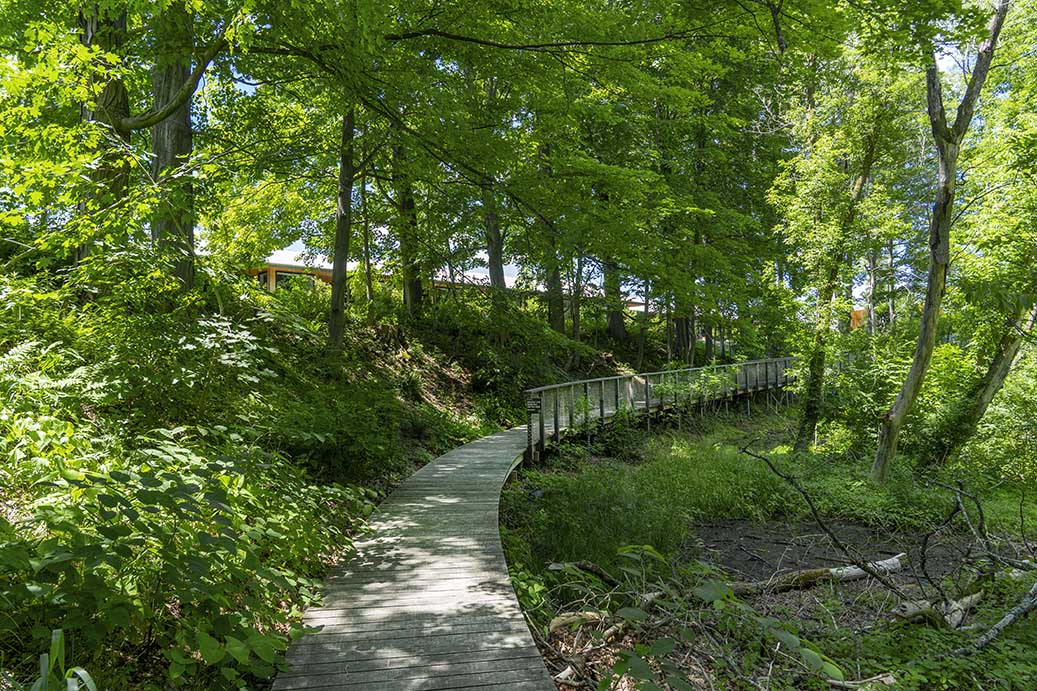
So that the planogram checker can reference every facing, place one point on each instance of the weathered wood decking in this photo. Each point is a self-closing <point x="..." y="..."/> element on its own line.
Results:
<point x="426" y="603"/>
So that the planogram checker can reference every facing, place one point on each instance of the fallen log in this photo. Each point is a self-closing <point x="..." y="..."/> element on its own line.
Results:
<point x="807" y="578"/>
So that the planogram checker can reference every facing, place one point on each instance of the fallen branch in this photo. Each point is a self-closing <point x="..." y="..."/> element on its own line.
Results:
<point x="886" y="679"/>
<point x="949" y="613"/>
<point x="1025" y="606"/>
<point x="810" y="577"/>
<point x="573" y="618"/>
<point x="836" y="542"/>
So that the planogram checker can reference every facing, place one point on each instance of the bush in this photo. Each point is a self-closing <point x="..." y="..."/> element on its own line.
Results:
<point x="196" y="547"/>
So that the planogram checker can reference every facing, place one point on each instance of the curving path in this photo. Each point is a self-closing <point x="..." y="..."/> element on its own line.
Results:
<point x="426" y="603"/>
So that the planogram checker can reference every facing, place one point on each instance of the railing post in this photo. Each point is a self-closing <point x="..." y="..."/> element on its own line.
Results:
<point x="540" y="420"/>
<point x="572" y="406"/>
<point x="601" y="404"/>
<point x="616" y="381"/>
<point x="587" y="410"/>
<point x="529" y="427"/>
<point x="557" y="420"/>
<point x="648" y="401"/>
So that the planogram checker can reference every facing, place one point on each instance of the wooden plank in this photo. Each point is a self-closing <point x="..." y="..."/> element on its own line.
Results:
<point x="519" y="660"/>
<point x="431" y="623"/>
<point x="344" y="598"/>
<point x="435" y="680"/>
<point x="328" y="648"/>
<point x="410" y="633"/>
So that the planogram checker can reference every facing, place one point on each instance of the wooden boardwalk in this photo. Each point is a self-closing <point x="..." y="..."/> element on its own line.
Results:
<point x="426" y="603"/>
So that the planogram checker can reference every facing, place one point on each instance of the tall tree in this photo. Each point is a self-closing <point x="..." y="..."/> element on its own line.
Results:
<point x="343" y="231"/>
<point x="948" y="138"/>
<point x="171" y="139"/>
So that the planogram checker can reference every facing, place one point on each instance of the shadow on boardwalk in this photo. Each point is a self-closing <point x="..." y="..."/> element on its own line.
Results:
<point x="426" y="603"/>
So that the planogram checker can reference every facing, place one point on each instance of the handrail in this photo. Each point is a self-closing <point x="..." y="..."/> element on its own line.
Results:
<point x="650" y="374"/>
<point x="641" y="392"/>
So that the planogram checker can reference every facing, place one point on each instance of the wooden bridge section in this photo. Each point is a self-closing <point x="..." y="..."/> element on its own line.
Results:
<point x="556" y="408"/>
<point x="426" y="604"/>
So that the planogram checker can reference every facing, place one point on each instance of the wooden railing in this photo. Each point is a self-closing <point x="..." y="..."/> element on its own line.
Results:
<point x="555" y="408"/>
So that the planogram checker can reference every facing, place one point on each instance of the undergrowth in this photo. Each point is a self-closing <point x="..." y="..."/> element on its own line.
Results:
<point x="177" y="470"/>
<point x="633" y="493"/>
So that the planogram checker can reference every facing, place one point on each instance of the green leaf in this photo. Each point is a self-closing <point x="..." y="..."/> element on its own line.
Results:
<point x="711" y="591"/>
<point x="632" y="614"/>
<point x="831" y="671"/>
<point x="813" y="660"/>
<point x="679" y="684"/>
<point x="212" y="651"/>
<point x="85" y="677"/>
<point x="790" y="641"/>
<point x="238" y="649"/>
<point x="663" y="646"/>
<point x="57" y="649"/>
<point x="639" y="669"/>
<point x="263" y="646"/>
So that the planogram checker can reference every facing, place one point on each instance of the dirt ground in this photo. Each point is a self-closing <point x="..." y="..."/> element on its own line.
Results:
<point x="756" y="551"/>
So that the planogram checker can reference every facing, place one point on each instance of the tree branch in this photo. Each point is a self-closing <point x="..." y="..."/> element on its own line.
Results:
<point x="863" y="565"/>
<point x="979" y="73"/>
<point x="187" y="89"/>
<point x="934" y="100"/>
<point x="551" y="45"/>
<point x="1025" y="606"/>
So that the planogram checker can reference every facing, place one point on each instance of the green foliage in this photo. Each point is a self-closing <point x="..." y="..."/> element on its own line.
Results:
<point x="160" y="465"/>
<point x="1006" y="442"/>
<point x="588" y="512"/>
<point x="555" y="521"/>
<point x="52" y="671"/>
<point x="193" y="541"/>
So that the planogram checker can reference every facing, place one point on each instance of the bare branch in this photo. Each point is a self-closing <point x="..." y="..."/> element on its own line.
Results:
<point x="979" y="73"/>
<point x="1025" y="606"/>
<point x="854" y="559"/>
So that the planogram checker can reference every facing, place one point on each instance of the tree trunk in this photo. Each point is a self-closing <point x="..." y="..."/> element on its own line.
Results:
<point x="693" y="338"/>
<point x="710" y="354"/>
<point x="551" y="263"/>
<point x="343" y="234"/>
<point x="494" y="239"/>
<point x="617" y="327"/>
<point x="406" y="234"/>
<point x="873" y="269"/>
<point x="368" y="280"/>
<point x="106" y="29"/>
<point x="948" y="141"/>
<point x="813" y="397"/>
<point x="681" y="329"/>
<point x="576" y="298"/>
<point x="642" y="339"/>
<point x="964" y="424"/>
<point x="172" y="226"/>
<point x="815" y="385"/>
<point x="892" y="289"/>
